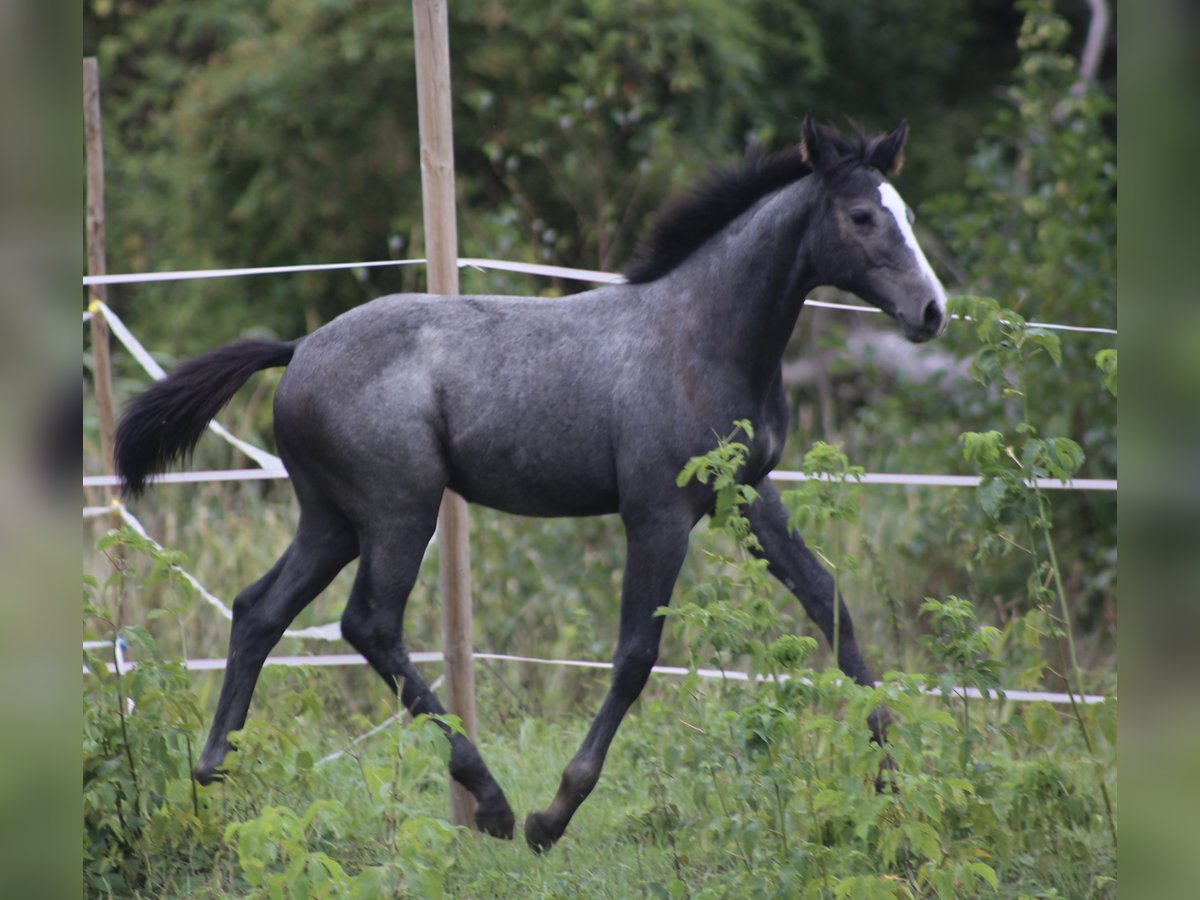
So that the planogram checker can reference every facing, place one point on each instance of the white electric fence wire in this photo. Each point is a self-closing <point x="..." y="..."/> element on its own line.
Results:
<point x="331" y="631"/>
<point x="337" y="754"/>
<point x="893" y="478"/>
<point x="353" y="659"/>
<point x="148" y="362"/>
<point x="202" y="477"/>
<point x="587" y="275"/>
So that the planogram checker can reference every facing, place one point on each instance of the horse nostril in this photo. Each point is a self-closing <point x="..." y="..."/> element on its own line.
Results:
<point x="932" y="314"/>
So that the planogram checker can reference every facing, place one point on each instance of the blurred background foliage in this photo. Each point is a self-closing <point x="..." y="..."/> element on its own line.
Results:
<point x="261" y="133"/>
<point x="264" y="132"/>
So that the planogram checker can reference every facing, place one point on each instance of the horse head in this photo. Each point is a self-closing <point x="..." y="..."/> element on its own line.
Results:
<point x="867" y="245"/>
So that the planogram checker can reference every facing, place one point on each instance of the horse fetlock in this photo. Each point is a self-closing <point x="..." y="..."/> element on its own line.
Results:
<point x="540" y="832"/>
<point x="879" y="721"/>
<point x="206" y="773"/>
<point x="208" y="767"/>
<point x="578" y="779"/>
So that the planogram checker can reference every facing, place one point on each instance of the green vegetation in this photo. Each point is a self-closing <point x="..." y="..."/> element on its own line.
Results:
<point x="261" y="132"/>
<point x="722" y="787"/>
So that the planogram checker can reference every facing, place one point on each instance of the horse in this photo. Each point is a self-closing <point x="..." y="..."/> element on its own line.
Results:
<point x="582" y="406"/>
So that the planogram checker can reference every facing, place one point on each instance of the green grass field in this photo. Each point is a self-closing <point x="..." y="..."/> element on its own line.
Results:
<point x="712" y="789"/>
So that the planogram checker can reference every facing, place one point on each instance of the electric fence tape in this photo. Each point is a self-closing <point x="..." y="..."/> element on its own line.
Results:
<point x="548" y="271"/>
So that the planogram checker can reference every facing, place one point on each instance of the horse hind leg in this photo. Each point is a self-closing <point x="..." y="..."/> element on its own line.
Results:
<point x="655" y="554"/>
<point x="320" y="549"/>
<point x="373" y="623"/>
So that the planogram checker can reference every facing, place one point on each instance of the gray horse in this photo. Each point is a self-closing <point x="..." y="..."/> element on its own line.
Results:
<point x="575" y="407"/>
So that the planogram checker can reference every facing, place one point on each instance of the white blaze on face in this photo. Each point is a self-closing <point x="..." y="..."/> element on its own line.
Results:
<point x="895" y="204"/>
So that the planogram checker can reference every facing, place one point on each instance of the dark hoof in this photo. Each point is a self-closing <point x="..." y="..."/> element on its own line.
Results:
<point x="206" y="775"/>
<point x="496" y="819"/>
<point x="538" y="833"/>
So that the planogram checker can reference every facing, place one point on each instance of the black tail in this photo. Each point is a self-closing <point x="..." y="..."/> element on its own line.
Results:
<point x="163" y="423"/>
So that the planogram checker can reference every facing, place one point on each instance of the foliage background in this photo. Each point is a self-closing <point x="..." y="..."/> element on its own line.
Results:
<point x="261" y="132"/>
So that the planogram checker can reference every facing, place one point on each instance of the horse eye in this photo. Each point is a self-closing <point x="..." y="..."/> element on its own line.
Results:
<point x="861" y="216"/>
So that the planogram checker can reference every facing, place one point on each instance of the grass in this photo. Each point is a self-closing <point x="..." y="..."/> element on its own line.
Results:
<point x="713" y="789"/>
<point x="653" y="826"/>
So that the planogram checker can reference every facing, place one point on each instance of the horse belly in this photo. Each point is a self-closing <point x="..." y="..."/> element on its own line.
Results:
<point x="542" y="491"/>
<point x="532" y="462"/>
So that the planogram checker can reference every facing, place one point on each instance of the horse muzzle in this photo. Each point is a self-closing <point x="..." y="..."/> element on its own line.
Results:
<point x="930" y="323"/>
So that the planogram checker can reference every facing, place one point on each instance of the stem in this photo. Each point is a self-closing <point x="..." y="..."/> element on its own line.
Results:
<point x="837" y="597"/>
<point x="784" y="843"/>
<point x="1062" y="600"/>
<point x="966" y="745"/>
<point x="1083" y="729"/>
<point x="675" y="855"/>
<point x="187" y="738"/>
<point x="812" y="810"/>
<point x="137" y="791"/>
<point x="725" y="812"/>
<point x="783" y="835"/>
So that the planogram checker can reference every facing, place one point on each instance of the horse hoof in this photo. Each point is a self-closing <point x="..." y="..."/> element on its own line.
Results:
<point x="538" y="835"/>
<point x="497" y="820"/>
<point x="206" y="775"/>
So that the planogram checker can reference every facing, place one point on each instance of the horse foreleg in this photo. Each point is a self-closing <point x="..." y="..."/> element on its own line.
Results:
<point x="654" y="560"/>
<point x="261" y="613"/>
<point x="373" y="623"/>
<point x="798" y="568"/>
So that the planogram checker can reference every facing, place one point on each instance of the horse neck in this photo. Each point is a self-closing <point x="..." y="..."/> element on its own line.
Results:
<point x="741" y="293"/>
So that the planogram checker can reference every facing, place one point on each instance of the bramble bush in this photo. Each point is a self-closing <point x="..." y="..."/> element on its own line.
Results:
<point x="779" y="774"/>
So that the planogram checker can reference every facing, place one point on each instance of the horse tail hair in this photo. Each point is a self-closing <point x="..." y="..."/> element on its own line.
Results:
<point x="163" y="423"/>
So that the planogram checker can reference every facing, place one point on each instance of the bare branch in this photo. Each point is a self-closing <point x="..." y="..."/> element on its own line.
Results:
<point x="1093" y="49"/>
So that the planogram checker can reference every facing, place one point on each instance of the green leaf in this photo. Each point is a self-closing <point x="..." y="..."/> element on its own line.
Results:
<point x="1042" y="721"/>
<point x="689" y="471"/>
<point x="1106" y="361"/>
<point x="992" y="494"/>
<point x="924" y="840"/>
<point x="1048" y="341"/>
<point x="1105" y="716"/>
<point x="982" y="447"/>
<point x="985" y="873"/>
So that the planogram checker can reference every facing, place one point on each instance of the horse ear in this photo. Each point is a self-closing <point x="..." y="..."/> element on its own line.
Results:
<point x="815" y="147"/>
<point x="887" y="153"/>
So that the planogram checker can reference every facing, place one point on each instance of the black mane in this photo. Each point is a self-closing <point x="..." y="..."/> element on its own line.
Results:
<point x="687" y="222"/>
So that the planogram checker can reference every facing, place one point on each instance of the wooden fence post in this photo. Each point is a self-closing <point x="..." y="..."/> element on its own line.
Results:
<point x="93" y="145"/>
<point x="97" y="263"/>
<point x="431" y="39"/>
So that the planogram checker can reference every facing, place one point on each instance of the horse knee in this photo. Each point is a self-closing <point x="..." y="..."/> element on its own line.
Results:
<point x="632" y="667"/>
<point x="355" y="630"/>
<point x="244" y="603"/>
<point x="252" y="621"/>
